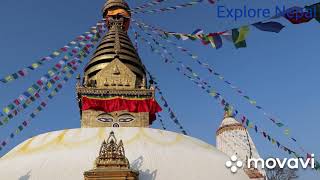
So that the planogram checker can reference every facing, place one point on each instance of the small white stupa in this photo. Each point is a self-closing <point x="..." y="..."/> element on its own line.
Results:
<point x="234" y="140"/>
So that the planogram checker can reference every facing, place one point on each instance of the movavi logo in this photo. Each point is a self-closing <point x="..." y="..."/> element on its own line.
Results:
<point x="271" y="163"/>
<point x="292" y="163"/>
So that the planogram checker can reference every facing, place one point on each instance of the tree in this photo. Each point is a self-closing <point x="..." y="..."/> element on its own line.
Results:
<point x="281" y="173"/>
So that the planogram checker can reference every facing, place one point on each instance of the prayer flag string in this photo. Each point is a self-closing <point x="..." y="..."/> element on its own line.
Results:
<point x="69" y="73"/>
<point x="76" y="42"/>
<point x="226" y="106"/>
<point x="172" y="115"/>
<point x="44" y="83"/>
<point x="251" y="101"/>
<point x="161" y="121"/>
<point x="213" y="72"/>
<point x="296" y="15"/>
<point x="36" y="111"/>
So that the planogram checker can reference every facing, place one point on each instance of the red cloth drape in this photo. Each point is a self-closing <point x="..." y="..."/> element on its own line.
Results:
<point x="120" y="104"/>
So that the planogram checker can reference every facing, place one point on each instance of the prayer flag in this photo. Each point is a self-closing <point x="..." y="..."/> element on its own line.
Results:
<point x="269" y="26"/>
<point x="235" y="37"/>
<point x="243" y="32"/>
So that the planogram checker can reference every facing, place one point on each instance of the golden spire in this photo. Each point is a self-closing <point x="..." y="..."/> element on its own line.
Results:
<point x="116" y="45"/>
<point x="115" y="73"/>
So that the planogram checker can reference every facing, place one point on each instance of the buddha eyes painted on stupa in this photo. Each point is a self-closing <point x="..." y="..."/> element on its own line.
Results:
<point x="116" y="119"/>
<point x="125" y="118"/>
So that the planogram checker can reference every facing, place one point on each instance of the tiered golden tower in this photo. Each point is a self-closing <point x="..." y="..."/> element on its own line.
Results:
<point x="111" y="164"/>
<point x="114" y="89"/>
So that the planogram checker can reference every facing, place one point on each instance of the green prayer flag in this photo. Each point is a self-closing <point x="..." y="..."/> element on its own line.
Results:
<point x="177" y="36"/>
<point x="11" y="106"/>
<point x="211" y="40"/>
<point x="6" y="120"/>
<point x="55" y="69"/>
<point x="20" y="128"/>
<point x="235" y="36"/>
<point x="247" y="97"/>
<point x="280" y="124"/>
<point x="36" y="87"/>
<point x="317" y="165"/>
<point x="192" y="37"/>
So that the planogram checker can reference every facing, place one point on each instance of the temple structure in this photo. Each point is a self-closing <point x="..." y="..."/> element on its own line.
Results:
<point x="114" y="89"/>
<point x="116" y="101"/>
<point x="111" y="162"/>
<point x="233" y="139"/>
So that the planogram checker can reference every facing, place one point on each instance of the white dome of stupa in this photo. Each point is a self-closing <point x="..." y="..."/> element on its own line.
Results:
<point x="156" y="154"/>
<point x="229" y="121"/>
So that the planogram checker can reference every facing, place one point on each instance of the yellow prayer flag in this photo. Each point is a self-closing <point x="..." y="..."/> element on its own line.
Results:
<point x="212" y="42"/>
<point x="287" y="132"/>
<point x="30" y="90"/>
<point x="213" y="93"/>
<point x="56" y="53"/>
<point x="54" y="93"/>
<point x="250" y="126"/>
<point x="9" y="78"/>
<point x="35" y="65"/>
<point x="51" y="73"/>
<point x="49" y="85"/>
<point x="69" y="75"/>
<point x="6" y="110"/>
<point x="243" y="32"/>
<point x="253" y="102"/>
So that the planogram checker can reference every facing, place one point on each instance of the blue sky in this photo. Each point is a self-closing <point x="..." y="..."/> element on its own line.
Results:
<point x="280" y="71"/>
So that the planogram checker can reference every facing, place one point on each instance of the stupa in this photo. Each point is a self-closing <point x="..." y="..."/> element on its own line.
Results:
<point x="234" y="140"/>
<point x="116" y="103"/>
